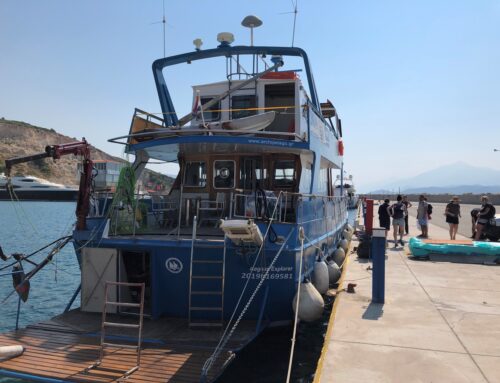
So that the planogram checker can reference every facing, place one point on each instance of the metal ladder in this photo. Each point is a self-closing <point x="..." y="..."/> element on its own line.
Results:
<point x="206" y="287"/>
<point x="105" y="324"/>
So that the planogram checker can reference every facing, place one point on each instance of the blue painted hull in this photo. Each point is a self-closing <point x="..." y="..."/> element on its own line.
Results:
<point x="322" y="221"/>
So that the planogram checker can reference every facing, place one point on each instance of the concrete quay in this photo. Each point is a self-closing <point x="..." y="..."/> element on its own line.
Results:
<point x="440" y="322"/>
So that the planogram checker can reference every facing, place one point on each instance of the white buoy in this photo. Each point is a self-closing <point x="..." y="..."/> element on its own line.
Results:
<point x="344" y="244"/>
<point x="320" y="277"/>
<point x="311" y="303"/>
<point x="339" y="256"/>
<point x="350" y="228"/>
<point x="333" y="272"/>
<point x="7" y="352"/>
<point x="347" y="234"/>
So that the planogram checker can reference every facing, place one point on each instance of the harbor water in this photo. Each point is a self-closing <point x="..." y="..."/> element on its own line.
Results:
<point x="28" y="226"/>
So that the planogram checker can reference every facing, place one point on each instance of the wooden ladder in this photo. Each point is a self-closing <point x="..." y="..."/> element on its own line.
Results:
<point x="105" y="324"/>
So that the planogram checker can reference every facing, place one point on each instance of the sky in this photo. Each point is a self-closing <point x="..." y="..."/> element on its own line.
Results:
<point x="417" y="84"/>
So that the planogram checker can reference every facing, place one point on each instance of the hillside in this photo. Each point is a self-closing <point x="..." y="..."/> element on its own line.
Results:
<point x="20" y="138"/>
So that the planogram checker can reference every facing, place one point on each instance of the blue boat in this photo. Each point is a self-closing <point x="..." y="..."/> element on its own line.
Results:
<point x="251" y="212"/>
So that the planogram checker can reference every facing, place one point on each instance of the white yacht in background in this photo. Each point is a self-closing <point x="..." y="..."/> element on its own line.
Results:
<point x="29" y="188"/>
<point x="346" y="188"/>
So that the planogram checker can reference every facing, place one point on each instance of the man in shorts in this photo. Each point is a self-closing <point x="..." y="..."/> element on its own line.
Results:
<point x="398" y="212"/>
<point x="422" y="216"/>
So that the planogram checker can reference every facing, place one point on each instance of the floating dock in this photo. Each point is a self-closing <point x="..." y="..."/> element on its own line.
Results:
<point x="440" y="322"/>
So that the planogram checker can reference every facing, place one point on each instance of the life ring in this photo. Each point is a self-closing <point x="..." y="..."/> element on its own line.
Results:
<point x="341" y="147"/>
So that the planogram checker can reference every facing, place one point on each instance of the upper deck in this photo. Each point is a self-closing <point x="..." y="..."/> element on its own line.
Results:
<point x="266" y="108"/>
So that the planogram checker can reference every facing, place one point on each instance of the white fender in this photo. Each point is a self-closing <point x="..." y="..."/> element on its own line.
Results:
<point x="350" y="229"/>
<point x="339" y="256"/>
<point x="7" y="352"/>
<point x="344" y="244"/>
<point x="333" y="272"/>
<point x="311" y="303"/>
<point x="320" y="277"/>
<point x="347" y="234"/>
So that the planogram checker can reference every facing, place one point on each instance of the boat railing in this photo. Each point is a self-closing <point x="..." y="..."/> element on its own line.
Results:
<point x="254" y="206"/>
<point x="173" y="214"/>
<point x="147" y="126"/>
<point x="291" y="207"/>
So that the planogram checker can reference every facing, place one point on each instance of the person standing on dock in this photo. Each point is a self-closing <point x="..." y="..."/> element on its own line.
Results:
<point x="407" y="205"/>
<point x="485" y="214"/>
<point x="422" y="216"/>
<point x="452" y="213"/>
<point x="384" y="217"/>
<point x="397" y="212"/>
<point x="473" y="214"/>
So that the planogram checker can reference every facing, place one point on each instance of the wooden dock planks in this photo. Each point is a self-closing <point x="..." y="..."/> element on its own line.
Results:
<point x="65" y="355"/>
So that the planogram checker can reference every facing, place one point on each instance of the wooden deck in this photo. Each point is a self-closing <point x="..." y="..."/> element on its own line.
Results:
<point x="59" y="351"/>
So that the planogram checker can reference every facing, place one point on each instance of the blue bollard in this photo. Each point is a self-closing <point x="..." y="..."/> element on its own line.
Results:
<point x="378" y="261"/>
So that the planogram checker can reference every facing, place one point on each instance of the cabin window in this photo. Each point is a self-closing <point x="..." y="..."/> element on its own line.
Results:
<point x="212" y="113"/>
<point x="284" y="173"/>
<point x="241" y="104"/>
<point x="281" y="97"/>
<point x="224" y="174"/>
<point x="195" y="174"/>
<point x="27" y="180"/>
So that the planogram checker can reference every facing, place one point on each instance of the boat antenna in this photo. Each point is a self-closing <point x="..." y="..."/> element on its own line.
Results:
<point x="295" y="12"/>
<point x="164" y="22"/>
<point x="251" y="22"/>
<point x="164" y="33"/>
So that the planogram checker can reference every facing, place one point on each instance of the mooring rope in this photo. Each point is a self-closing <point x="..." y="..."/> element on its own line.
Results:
<point x="295" y="322"/>
<point x="210" y="361"/>
<point x="14" y="198"/>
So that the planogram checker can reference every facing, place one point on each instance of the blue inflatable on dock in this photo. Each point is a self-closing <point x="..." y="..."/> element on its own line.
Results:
<point x="456" y="251"/>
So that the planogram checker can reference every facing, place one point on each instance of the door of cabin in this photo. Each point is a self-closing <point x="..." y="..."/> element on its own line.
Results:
<point x="253" y="174"/>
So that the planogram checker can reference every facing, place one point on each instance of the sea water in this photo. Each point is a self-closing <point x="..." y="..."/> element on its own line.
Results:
<point x="24" y="228"/>
<point x="27" y="226"/>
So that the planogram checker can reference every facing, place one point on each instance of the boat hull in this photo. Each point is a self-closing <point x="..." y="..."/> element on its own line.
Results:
<point x="40" y="195"/>
<point x="172" y="274"/>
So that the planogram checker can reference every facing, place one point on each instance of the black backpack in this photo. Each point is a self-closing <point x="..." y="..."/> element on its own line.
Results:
<point x="492" y="212"/>
<point x="429" y="209"/>
<point x="398" y="210"/>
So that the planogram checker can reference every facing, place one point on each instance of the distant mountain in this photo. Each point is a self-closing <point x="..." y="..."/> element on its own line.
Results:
<point x="456" y="178"/>
<point x="461" y="189"/>
<point x="20" y="138"/>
